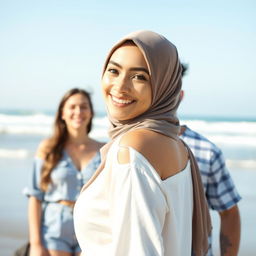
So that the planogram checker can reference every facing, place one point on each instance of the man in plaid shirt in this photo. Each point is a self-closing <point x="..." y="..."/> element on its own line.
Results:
<point x="219" y="188"/>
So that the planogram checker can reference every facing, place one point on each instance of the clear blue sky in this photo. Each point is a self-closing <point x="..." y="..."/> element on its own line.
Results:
<point x="48" y="47"/>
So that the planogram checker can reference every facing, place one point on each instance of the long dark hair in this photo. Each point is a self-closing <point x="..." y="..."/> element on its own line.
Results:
<point x="54" y="149"/>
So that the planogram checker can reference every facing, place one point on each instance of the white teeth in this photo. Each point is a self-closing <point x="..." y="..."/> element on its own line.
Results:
<point x="121" y="101"/>
<point x="78" y="120"/>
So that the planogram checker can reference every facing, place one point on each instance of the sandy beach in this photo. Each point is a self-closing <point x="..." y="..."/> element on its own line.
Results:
<point x="13" y="208"/>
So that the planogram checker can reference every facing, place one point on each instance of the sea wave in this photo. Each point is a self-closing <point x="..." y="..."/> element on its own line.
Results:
<point x="231" y="128"/>
<point x="233" y="140"/>
<point x="244" y="164"/>
<point x="29" y="124"/>
<point x="14" y="153"/>
<point x="42" y="124"/>
<point x="221" y="132"/>
<point x="241" y="164"/>
<point x="26" y="119"/>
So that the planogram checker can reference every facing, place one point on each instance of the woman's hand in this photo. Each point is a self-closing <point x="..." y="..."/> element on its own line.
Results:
<point x="38" y="250"/>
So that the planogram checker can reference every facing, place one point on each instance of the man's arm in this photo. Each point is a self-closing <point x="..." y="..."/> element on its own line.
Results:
<point x="230" y="231"/>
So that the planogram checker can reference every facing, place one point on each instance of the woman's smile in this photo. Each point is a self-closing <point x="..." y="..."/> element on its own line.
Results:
<point x="121" y="102"/>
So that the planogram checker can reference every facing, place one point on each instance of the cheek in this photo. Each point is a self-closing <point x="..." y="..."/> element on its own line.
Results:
<point x="63" y="115"/>
<point x="89" y="113"/>
<point x="147" y="97"/>
<point x="104" y="86"/>
<point x="66" y="113"/>
<point x="105" y="82"/>
<point x="150" y="97"/>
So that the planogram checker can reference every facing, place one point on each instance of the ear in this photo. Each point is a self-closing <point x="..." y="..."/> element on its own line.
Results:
<point x="181" y="95"/>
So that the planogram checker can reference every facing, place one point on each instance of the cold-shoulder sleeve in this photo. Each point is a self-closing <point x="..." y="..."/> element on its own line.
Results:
<point x="128" y="210"/>
<point x="33" y="187"/>
<point x="138" y="209"/>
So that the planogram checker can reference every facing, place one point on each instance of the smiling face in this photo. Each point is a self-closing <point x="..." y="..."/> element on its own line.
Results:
<point x="126" y="83"/>
<point x="77" y="112"/>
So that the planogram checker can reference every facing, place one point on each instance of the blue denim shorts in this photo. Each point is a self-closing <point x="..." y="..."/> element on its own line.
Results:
<point x="58" y="228"/>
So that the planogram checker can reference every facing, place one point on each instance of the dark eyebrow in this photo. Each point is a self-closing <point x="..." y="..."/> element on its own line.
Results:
<point x="132" y="69"/>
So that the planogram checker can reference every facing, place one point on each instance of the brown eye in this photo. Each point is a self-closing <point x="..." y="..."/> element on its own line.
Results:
<point x="84" y="107"/>
<point x="112" y="70"/>
<point x="140" y="77"/>
<point x="72" y="107"/>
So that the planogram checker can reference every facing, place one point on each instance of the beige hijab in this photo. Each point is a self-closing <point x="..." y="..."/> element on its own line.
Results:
<point x="165" y="73"/>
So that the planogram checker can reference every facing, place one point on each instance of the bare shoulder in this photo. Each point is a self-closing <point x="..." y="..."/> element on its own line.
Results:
<point x="144" y="141"/>
<point x="136" y="139"/>
<point x="166" y="155"/>
<point x="43" y="148"/>
<point x="139" y="139"/>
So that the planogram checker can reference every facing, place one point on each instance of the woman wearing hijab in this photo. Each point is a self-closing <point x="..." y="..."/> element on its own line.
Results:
<point x="146" y="197"/>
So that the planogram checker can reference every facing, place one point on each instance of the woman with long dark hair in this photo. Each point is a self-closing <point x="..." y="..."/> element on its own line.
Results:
<point x="63" y="164"/>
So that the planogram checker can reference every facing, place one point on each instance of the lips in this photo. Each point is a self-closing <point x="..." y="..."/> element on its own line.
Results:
<point x="78" y="120"/>
<point x="118" y="101"/>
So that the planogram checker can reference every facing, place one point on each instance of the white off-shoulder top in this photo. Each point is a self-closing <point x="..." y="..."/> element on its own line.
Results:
<point x="129" y="211"/>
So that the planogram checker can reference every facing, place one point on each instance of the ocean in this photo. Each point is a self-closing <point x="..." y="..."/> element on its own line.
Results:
<point x="21" y="132"/>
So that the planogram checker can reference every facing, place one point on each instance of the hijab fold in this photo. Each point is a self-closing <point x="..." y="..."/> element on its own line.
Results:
<point x="165" y="72"/>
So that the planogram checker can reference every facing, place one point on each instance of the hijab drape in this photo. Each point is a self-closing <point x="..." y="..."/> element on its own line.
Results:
<point x="165" y="72"/>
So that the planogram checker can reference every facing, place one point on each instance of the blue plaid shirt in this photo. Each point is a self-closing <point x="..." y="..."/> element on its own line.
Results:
<point x="219" y="187"/>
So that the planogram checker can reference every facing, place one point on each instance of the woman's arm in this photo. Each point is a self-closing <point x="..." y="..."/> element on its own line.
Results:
<point x="35" y="199"/>
<point x="34" y="217"/>
<point x="34" y="220"/>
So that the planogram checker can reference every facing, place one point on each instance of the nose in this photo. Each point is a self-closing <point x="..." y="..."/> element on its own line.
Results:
<point x="122" y="84"/>
<point x="78" y="110"/>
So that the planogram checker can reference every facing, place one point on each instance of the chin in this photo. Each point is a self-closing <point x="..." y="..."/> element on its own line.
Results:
<point x="117" y="116"/>
<point x="77" y="126"/>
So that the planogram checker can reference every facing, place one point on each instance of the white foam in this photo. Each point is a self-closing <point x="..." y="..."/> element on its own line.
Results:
<point x="26" y="119"/>
<point x="99" y="134"/>
<point x="14" y="153"/>
<point x="221" y="133"/>
<point x="30" y="124"/>
<point x="235" y="128"/>
<point x="241" y="164"/>
<point x="230" y="140"/>
<point x="226" y="133"/>
<point x="101" y="122"/>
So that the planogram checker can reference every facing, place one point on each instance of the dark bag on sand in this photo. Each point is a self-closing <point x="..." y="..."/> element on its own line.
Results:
<point x="23" y="250"/>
